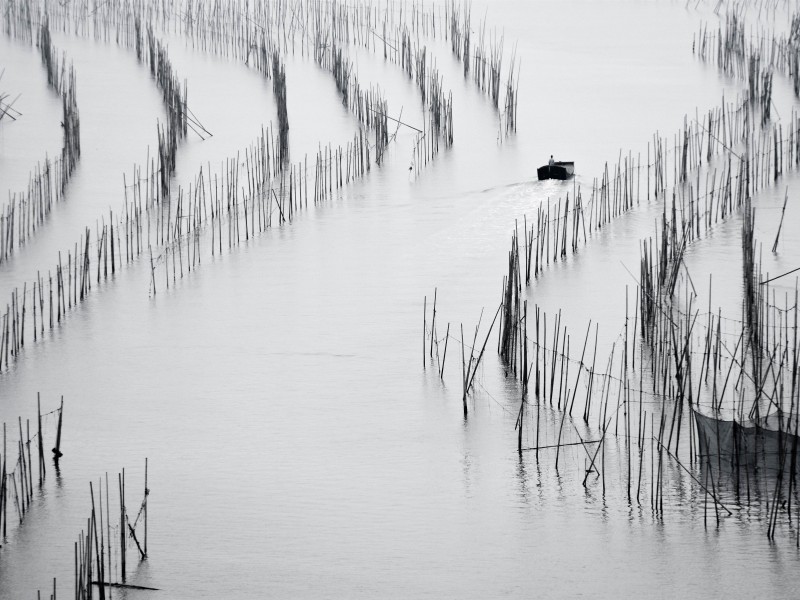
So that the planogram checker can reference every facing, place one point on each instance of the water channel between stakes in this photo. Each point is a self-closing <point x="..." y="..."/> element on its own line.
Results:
<point x="286" y="390"/>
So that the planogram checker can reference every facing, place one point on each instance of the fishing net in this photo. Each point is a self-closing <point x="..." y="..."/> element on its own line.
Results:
<point x="769" y="442"/>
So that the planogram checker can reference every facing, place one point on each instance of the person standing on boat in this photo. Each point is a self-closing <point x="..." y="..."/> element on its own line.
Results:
<point x="552" y="162"/>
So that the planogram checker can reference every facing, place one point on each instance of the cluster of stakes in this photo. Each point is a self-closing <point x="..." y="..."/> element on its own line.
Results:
<point x="685" y="395"/>
<point x="169" y="226"/>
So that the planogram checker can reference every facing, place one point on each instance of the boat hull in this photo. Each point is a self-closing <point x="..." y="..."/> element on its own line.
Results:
<point x="558" y="170"/>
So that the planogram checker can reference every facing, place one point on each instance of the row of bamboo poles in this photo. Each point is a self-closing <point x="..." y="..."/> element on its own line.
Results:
<point x="417" y="63"/>
<point x="174" y="98"/>
<point x="101" y="551"/>
<point x="27" y="211"/>
<point x="484" y="60"/>
<point x="755" y="62"/>
<point x="17" y="479"/>
<point x="368" y="106"/>
<point x="267" y="59"/>
<point x="753" y="55"/>
<point x="245" y="197"/>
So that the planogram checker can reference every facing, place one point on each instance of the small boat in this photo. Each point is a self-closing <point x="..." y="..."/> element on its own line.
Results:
<point x="558" y="170"/>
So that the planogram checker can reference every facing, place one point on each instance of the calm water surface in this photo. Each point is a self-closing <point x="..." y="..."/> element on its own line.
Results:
<point x="297" y="447"/>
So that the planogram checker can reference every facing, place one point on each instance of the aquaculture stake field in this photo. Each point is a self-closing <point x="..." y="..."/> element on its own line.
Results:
<point x="287" y="313"/>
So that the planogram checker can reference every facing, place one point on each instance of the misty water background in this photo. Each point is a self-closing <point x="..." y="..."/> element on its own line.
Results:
<point x="296" y="445"/>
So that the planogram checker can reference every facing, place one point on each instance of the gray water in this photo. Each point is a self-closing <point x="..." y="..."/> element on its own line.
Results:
<point x="296" y="445"/>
